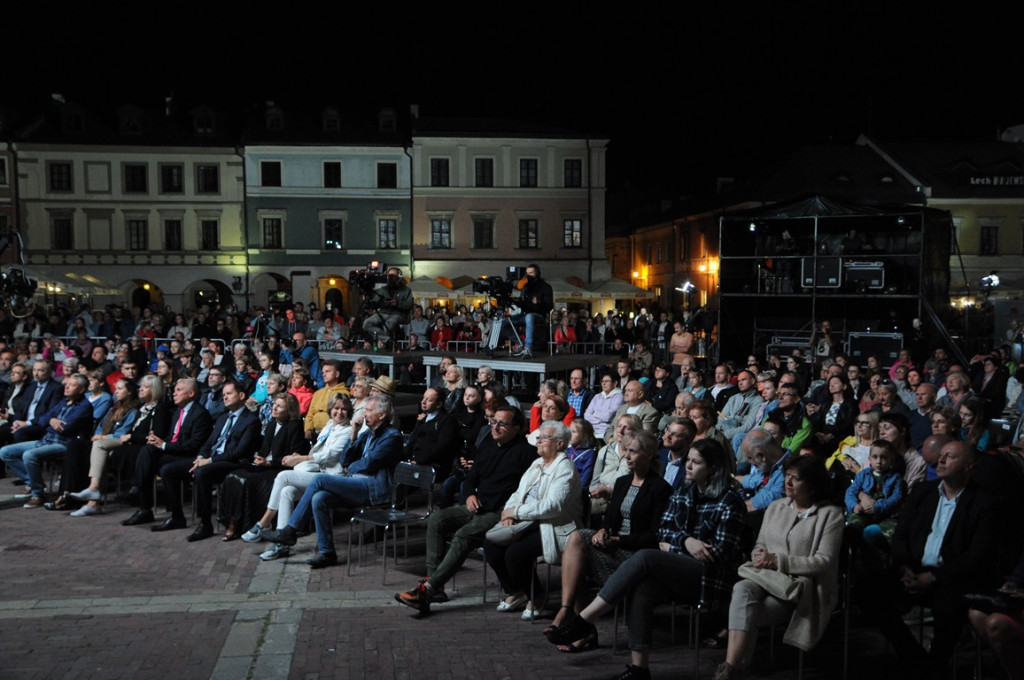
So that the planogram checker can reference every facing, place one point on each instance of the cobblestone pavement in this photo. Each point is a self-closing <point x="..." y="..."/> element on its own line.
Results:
<point x="88" y="598"/>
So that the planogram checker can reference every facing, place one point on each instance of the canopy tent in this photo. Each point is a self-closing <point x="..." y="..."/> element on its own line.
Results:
<point x="426" y="287"/>
<point x="617" y="289"/>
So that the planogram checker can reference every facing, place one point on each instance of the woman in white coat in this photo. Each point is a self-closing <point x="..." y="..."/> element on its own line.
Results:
<point x="549" y="506"/>
<point x="325" y="456"/>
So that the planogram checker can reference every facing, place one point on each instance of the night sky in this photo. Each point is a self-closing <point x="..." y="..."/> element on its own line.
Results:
<point x="685" y="95"/>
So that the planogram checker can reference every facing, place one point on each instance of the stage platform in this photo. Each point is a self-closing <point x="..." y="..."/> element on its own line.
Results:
<point x="542" y="365"/>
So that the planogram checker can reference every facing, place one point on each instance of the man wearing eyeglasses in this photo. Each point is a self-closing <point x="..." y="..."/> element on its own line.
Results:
<point x="500" y="462"/>
<point x="795" y="424"/>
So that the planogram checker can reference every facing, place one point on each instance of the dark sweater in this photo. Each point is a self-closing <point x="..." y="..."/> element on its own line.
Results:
<point x="496" y="472"/>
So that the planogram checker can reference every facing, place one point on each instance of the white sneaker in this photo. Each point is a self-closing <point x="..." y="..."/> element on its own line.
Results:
<point x="531" y="614"/>
<point x="85" y="511"/>
<point x="253" y="535"/>
<point x="276" y="552"/>
<point x="86" y="495"/>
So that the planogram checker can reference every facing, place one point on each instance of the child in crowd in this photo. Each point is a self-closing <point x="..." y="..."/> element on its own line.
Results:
<point x="873" y="499"/>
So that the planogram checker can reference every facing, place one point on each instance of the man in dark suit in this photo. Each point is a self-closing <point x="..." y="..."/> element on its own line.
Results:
<point x="944" y="547"/>
<point x="232" y="441"/>
<point x="434" y="440"/>
<point x="39" y="396"/>
<point x="190" y="427"/>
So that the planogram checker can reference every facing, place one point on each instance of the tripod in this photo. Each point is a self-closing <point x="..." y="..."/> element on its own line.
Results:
<point x="499" y="320"/>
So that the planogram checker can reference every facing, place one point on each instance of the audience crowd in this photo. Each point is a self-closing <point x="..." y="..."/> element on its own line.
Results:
<point x="737" y="487"/>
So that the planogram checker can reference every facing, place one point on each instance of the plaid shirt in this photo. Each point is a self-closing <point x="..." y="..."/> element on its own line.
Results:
<point x="718" y="522"/>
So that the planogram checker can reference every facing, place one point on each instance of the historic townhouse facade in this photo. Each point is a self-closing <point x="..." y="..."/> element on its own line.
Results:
<point x="324" y="197"/>
<point x="132" y="205"/>
<point x="490" y="194"/>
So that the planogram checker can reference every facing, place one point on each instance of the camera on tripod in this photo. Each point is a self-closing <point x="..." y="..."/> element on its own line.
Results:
<point x="365" y="280"/>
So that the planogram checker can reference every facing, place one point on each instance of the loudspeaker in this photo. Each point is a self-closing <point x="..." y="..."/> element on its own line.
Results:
<point x="822" y="272"/>
<point x="885" y="346"/>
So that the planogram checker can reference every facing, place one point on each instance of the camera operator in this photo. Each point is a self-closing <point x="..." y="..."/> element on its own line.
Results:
<point x="393" y="303"/>
<point x="537" y="302"/>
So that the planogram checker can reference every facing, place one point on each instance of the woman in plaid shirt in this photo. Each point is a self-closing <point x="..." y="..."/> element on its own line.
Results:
<point x="699" y="552"/>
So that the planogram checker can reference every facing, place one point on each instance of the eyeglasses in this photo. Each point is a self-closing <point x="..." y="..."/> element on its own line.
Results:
<point x="546" y="437"/>
<point x="501" y="425"/>
<point x="863" y="422"/>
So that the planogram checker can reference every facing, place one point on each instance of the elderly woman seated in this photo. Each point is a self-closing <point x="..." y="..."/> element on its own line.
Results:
<point x="792" y="576"/>
<point x="537" y="520"/>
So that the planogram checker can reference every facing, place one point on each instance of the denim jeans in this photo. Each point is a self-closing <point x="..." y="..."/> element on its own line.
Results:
<point x="323" y="494"/>
<point x="26" y="461"/>
<point x="532" y="319"/>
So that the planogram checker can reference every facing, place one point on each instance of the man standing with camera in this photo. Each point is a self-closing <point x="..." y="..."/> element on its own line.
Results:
<point x="393" y="303"/>
<point x="537" y="302"/>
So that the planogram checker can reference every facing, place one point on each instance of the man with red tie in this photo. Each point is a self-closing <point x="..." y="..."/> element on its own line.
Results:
<point x="191" y="426"/>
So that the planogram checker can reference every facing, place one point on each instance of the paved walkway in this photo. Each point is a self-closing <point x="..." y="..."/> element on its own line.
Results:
<point x="88" y="598"/>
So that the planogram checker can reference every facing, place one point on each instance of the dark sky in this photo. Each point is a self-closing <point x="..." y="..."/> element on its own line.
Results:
<point x="685" y="95"/>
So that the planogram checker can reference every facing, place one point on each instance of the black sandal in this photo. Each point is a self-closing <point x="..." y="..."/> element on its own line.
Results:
<point x="582" y="645"/>
<point x="717" y="641"/>
<point x="548" y="630"/>
<point x="574" y="631"/>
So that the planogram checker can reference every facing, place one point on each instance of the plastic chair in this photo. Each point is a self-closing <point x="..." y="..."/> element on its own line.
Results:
<point x="406" y="475"/>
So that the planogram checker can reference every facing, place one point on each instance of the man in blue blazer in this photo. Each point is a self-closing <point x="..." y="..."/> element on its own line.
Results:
<point x="38" y="397"/>
<point x="368" y="474"/>
<point x="232" y="441"/>
<point x="65" y="421"/>
<point x="677" y="439"/>
<point x="190" y="427"/>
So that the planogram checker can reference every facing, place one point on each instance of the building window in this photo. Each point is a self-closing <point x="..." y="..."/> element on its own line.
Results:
<point x="484" y="172"/>
<point x="527" y="172"/>
<point x="60" y="177"/>
<point x="483" y="233"/>
<point x="334" y="233"/>
<point x="172" y="235"/>
<point x="272" y="233"/>
<point x="438" y="172"/>
<point x="332" y="174"/>
<point x="63" y="237"/>
<point x="172" y="179"/>
<point x="388" y="230"/>
<point x="3" y="172"/>
<point x="207" y="179"/>
<point x="573" y="172"/>
<point x="270" y="173"/>
<point x="528" y="233"/>
<point x="387" y="175"/>
<point x="989" y="241"/>
<point x="135" y="178"/>
<point x="684" y="245"/>
<point x="572" y="233"/>
<point x="210" y="234"/>
<point x="138" y="235"/>
<point x="441" y="233"/>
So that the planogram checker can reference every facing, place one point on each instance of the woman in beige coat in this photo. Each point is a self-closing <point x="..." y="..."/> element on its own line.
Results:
<point x="550" y="499"/>
<point x="793" y="573"/>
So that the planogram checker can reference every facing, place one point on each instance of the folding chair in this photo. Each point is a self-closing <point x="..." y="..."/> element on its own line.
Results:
<point x="406" y="475"/>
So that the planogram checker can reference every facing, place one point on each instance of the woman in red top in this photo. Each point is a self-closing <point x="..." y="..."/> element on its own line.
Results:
<point x="565" y="336"/>
<point x="441" y="333"/>
<point x="300" y="386"/>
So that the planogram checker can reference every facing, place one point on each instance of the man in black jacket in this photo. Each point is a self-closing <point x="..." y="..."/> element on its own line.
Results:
<point x="944" y="547"/>
<point x="235" y="436"/>
<point x="537" y="302"/>
<point x="501" y="460"/>
<point x="190" y="427"/>
<point x="434" y="440"/>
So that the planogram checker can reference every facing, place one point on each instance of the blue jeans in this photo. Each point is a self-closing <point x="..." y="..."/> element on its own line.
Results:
<point x="26" y="461"/>
<point x="532" y="319"/>
<point x="324" y="493"/>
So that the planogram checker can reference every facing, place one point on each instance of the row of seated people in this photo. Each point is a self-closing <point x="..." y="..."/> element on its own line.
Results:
<point x="367" y="464"/>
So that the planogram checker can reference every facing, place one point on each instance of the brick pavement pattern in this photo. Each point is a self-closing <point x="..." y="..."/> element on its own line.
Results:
<point x="88" y="598"/>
